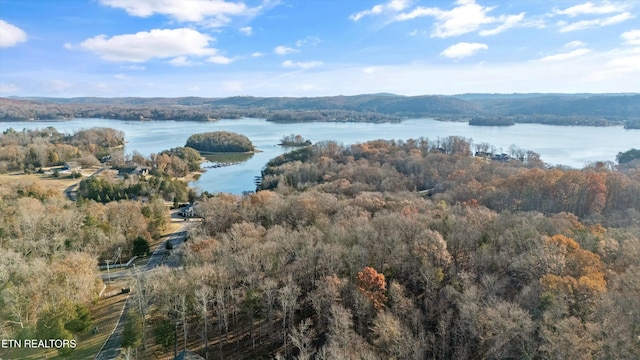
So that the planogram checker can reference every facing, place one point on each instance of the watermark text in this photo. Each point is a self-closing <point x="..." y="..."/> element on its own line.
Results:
<point x="38" y="343"/>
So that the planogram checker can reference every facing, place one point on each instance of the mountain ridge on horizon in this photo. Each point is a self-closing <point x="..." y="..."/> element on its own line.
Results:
<point x="459" y="95"/>
<point x="547" y="108"/>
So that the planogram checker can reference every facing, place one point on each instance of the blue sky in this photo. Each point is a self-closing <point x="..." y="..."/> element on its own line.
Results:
<point x="219" y="48"/>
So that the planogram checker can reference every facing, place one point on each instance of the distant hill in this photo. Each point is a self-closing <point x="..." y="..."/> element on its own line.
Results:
<point x="562" y="109"/>
<point x="562" y="105"/>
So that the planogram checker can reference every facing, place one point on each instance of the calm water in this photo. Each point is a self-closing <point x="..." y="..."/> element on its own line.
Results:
<point x="566" y="145"/>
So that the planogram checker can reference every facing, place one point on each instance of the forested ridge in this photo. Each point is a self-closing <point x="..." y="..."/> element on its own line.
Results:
<point x="343" y="258"/>
<point x="553" y="109"/>
<point x="405" y="249"/>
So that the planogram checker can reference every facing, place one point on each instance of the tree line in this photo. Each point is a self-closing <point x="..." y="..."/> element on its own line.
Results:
<point x="446" y="169"/>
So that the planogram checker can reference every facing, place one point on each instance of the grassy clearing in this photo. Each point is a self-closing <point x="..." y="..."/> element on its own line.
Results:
<point x="105" y="313"/>
<point x="45" y="181"/>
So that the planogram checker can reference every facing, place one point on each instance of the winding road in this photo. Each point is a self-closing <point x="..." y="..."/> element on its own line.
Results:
<point x="111" y="348"/>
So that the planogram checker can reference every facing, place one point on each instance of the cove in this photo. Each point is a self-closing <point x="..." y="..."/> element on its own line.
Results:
<point x="573" y="146"/>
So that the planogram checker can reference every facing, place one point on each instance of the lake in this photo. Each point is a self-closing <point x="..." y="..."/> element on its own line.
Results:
<point x="573" y="146"/>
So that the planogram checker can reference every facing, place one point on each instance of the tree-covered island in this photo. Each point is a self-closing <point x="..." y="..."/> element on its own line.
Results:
<point x="294" y="140"/>
<point x="220" y="142"/>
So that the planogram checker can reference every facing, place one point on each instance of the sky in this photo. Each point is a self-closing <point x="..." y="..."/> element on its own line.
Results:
<point x="307" y="48"/>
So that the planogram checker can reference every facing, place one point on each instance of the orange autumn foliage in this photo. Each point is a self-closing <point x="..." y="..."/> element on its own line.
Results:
<point x="373" y="285"/>
<point x="583" y="273"/>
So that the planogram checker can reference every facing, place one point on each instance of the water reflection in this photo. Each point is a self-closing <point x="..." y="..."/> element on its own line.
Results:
<point x="226" y="159"/>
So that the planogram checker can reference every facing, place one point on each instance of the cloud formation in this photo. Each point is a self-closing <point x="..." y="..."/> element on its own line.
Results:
<point x="574" y="44"/>
<point x="507" y="22"/>
<point x="301" y="65"/>
<point x="391" y="6"/>
<point x="284" y="50"/>
<point x="146" y="45"/>
<point x="181" y="61"/>
<point x="467" y="16"/>
<point x="631" y="37"/>
<point x="589" y="8"/>
<point x="607" y="13"/>
<point x="214" y="13"/>
<point x="219" y="59"/>
<point x="594" y="23"/>
<point x="566" y="55"/>
<point x="11" y="35"/>
<point x="463" y="49"/>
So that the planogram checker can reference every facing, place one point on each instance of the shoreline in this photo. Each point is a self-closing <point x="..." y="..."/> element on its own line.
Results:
<point x="228" y="152"/>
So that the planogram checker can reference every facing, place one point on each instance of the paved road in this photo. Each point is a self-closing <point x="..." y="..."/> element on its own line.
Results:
<point x="111" y="349"/>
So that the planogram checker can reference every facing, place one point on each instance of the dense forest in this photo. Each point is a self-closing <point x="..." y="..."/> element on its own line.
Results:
<point x="410" y="250"/>
<point x="405" y="249"/>
<point x="553" y="109"/>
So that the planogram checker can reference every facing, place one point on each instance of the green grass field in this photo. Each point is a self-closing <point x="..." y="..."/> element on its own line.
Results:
<point x="105" y="314"/>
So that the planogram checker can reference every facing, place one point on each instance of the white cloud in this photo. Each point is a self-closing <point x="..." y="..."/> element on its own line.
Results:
<point x="284" y="50"/>
<point x="214" y="13"/>
<point x="219" y="59"/>
<point x="376" y="10"/>
<point x="507" y="23"/>
<point x="589" y="8"/>
<point x="631" y="37"/>
<point x="11" y="35"/>
<point x="566" y="55"/>
<point x="621" y="64"/>
<point x="302" y="64"/>
<point x="463" y="49"/>
<point x="257" y="54"/>
<point x="466" y="17"/>
<point x="391" y="6"/>
<point x="594" y="23"/>
<point x="574" y="44"/>
<point x="625" y="64"/>
<point x="247" y="30"/>
<point x="181" y="61"/>
<point x="146" y="45"/>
